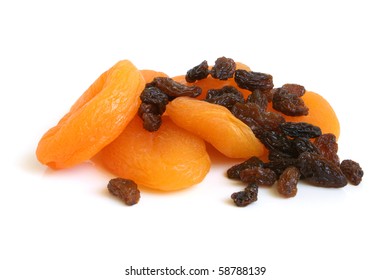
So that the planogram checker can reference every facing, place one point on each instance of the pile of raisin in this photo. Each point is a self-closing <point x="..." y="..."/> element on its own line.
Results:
<point x="297" y="150"/>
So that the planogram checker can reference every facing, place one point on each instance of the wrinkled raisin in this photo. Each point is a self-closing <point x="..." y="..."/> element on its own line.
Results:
<point x="300" y="129"/>
<point x="288" y="103"/>
<point x="198" y="72"/>
<point x="151" y="122"/>
<point x="253" y="80"/>
<point x="352" y="171"/>
<point x="288" y="182"/>
<point x="223" y="68"/>
<point x="174" y="89"/>
<point x="277" y="141"/>
<point x="259" y="98"/>
<point x="153" y="95"/>
<point x="126" y="190"/>
<point x="301" y="145"/>
<point x="226" y="96"/>
<point x="328" y="147"/>
<point x="247" y="196"/>
<point x="294" y="89"/>
<point x="319" y="171"/>
<point x="279" y="165"/>
<point x="234" y="171"/>
<point x="258" y="175"/>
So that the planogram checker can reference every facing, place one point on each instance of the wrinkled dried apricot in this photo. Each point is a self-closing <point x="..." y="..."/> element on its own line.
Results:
<point x="217" y="125"/>
<point x="169" y="159"/>
<point x="95" y="119"/>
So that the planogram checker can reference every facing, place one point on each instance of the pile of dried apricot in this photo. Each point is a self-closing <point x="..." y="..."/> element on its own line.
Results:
<point x="150" y="130"/>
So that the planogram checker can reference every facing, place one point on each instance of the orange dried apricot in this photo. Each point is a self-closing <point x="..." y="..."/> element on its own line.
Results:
<point x="217" y="125"/>
<point x="169" y="159"/>
<point x="95" y="119"/>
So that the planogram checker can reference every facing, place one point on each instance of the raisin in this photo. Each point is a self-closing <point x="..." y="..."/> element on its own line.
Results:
<point x="259" y="98"/>
<point x="253" y="80"/>
<point x="223" y="68"/>
<point x="153" y="95"/>
<point x="198" y="72"/>
<point x="174" y="89"/>
<point x="294" y="89"/>
<point x="352" y="171"/>
<point x="279" y="165"/>
<point x="288" y="103"/>
<point x="300" y="129"/>
<point x="277" y="141"/>
<point x="226" y="96"/>
<point x="151" y="122"/>
<point x="304" y="145"/>
<point x="246" y="197"/>
<point x="126" y="190"/>
<point x="258" y="175"/>
<point x="234" y="171"/>
<point x="328" y="147"/>
<point x="288" y="181"/>
<point x="319" y="171"/>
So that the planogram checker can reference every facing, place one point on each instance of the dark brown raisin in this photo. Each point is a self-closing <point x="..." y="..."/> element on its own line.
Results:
<point x="126" y="190"/>
<point x="226" y="96"/>
<point x="288" y="181"/>
<point x="300" y="129"/>
<point x="258" y="175"/>
<point x="223" y="68"/>
<point x="294" y="89"/>
<point x="174" y="89"/>
<point x="279" y="165"/>
<point x="301" y="145"/>
<point x="277" y="141"/>
<point x="151" y="122"/>
<point x="352" y="171"/>
<point x="234" y="171"/>
<point x="253" y="80"/>
<point x="288" y="103"/>
<point x="243" y="198"/>
<point x="198" y="72"/>
<point x="153" y="95"/>
<point x="259" y="98"/>
<point x="319" y="171"/>
<point x="328" y="147"/>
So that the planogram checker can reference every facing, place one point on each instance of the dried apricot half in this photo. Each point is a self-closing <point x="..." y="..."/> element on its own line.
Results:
<point x="95" y="119"/>
<point x="217" y="125"/>
<point x="170" y="158"/>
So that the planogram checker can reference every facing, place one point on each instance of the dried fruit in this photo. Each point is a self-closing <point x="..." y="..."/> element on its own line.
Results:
<point x="294" y="89"/>
<point x="246" y="197"/>
<point x="234" y="171"/>
<point x="288" y="103"/>
<point x="253" y="80"/>
<point x="304" y="145"/>
<point x="259" y="175"/>
<point x="198" y="72"/>
<point x="126" y="190"/>
<point x="300" y="129"/>
<point x="259" y="98"/>
<point x="223" y="68"/>
<point x="352" y="170"/>
<point x="226" y="96"/>
<point x="319" y="171"/>
<point x="153" y="105"/>
<point x="288" y="182"/>
<point x="328" y="147"/>
<point x="174" y="89"/>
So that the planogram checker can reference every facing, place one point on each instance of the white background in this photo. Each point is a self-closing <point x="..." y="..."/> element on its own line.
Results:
<point x="65" y="225"/>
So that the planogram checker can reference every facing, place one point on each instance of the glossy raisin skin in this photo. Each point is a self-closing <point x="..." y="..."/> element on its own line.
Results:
<point x="288" y="103"/>
<point x="152" y="107"/>
<point x="260" y="176"/>
<point x="198" y="72"/>
<point x="328" y="147"/>
<point x="234" y="171"/>
<point x="124" y="189"/>
<point x="253" y="80"/>
<point x="259" y="98"/>
<point x="247" y="196"/>
<point x="223" y="68"/>
<point x="294" y="89"/>
<point x="227" y="96"/>
<point x="174" y="89"/>
<point x="300" y="129"/>
<point x="319" y="171"/>
<point x="352" y="170"/>
<point x="288" y="182"/>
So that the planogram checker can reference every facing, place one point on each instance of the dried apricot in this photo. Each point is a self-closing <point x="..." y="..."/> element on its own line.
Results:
<point x="170" y="158"/>
<point x="217" y="125"/>
<point x="95" y="119"/>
